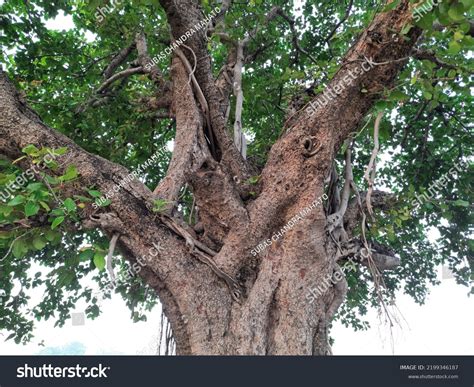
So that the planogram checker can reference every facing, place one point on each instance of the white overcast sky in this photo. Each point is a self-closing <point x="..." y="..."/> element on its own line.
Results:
<point x="443" y="326"/>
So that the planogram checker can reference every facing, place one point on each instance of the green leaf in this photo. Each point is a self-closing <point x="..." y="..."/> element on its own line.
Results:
<point x="5" y="235"/>
<point x="70" y="174"/>
<point x="58" y="212"/>
<point x="56" y="222"/>
<point x="461" y="203"/>
<point x="65" y="277"/>
<point x="381" y="105"/>
<point x="70" y="205"/>
<point x="456" y="12"/>
<point x="81" y="198"/>
<point x="458" y="35"/>
<point x="391" y="6"/>
<point x="452" y="73"/>
<point x="253" y="180"/>
<point x="454" y="47"/>
<point x="86" y="255"/>
<point x="33" y="187"/>
<point x="19" y="248"/>
<point x="31" y="150"/>
<point x="94" y="193"/>
<point x="52" y="235"/>
<point x="105" y="203"/>
<point x="16" y="200"/>
<point x="398" y="95"/>
<point x="427" y="95"/>
<point x="51" y="179"/>
<point x="99" y="260"/>
<point x="44" y="205"/>
<point x="426" y="22"/>
<point x="6" y="210"/>
<point x="51" y="164"/>
<point x="31" y="208"/>
<point x="38" y="242"/>
<point x="60" y="151"/>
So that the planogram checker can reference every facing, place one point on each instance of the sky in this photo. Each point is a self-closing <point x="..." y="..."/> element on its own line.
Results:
<point x="443" y="326"/>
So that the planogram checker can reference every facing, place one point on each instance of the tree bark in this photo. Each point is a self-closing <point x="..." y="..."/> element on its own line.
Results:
<point x="273" y="314"/>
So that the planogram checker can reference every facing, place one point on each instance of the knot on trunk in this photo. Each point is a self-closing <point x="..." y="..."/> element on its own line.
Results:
<point x="310" y="146"/>
<point x="108" y="221"/>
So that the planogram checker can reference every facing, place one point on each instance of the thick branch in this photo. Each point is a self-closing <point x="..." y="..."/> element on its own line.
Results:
<point x="190" y="150"/>
<point x="158" y="255"/>
<point x="183" y="17"/>
<point x="145" y="62"/>
<point x="372" y="64"/>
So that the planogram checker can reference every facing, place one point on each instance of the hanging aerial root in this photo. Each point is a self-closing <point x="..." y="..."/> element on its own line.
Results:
<point x="203" y="253"/>
<point x="371" y="168"/>
<point x="110" y="257"/>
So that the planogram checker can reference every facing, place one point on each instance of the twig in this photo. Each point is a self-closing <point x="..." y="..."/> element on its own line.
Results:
<point x="334" y="30"/>
<point x="294" y="34"/>
<point x="122" y="74"/>
<point x="11" y="246"/>
<point x="192" y="210"/>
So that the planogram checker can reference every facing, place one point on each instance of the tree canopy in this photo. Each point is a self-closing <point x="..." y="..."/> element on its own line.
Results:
<point x="292" y="53"/>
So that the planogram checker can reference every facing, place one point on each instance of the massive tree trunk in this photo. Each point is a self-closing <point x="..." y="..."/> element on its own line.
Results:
<point x="223" y="291"/>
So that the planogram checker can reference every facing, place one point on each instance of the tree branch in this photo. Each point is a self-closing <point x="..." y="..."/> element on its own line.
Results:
<point x="334" y="30"/>
<point x="190" y="150"/>
<point x="117" y="61"/>
<point x="146" y="63"/>
<point x="139" y="227"/>
<point x="296" y="43"/>
<point x="371" y="64"/>
<point x="122" y="74"/>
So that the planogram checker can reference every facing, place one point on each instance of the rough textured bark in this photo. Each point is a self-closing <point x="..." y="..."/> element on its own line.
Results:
<point x="272" y="315"/>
